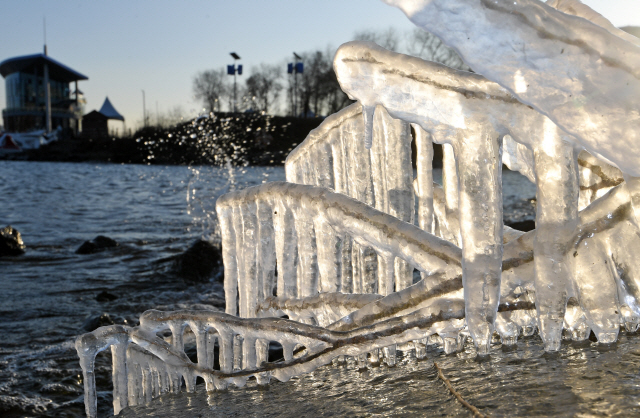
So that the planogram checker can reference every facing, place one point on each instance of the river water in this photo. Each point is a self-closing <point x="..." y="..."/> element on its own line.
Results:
<point x="154" y="212"/>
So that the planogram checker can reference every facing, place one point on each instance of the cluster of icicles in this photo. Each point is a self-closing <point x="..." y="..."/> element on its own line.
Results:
<point x="335" y="247"/>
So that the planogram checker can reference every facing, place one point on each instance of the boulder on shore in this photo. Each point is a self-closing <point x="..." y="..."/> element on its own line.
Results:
<point x="11" y="242"/>
<point x="105" y="296"/>
<point x="99" y="243"/>
<point x="199" y="262"/>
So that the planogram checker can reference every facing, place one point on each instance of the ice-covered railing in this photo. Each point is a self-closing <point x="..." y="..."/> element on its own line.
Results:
<point x="472" y="115"/>
<point x="334" y="156"/>
<point x="559" y="85"/>
<point x="146" y="366"/>
<point x="588" y="88"/>
<point x="296" y="230"/>
<point x="584" y="75"/>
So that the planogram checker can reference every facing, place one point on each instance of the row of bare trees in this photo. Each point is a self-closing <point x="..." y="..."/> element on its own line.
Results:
<point x="316" y="91"/>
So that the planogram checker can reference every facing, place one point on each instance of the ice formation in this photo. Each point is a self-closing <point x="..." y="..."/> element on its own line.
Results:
<point x="335" y="247"/>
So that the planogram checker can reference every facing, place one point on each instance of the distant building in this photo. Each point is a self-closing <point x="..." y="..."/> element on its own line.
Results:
<point x="38" y="94"/>
<point x="96" y="123"/>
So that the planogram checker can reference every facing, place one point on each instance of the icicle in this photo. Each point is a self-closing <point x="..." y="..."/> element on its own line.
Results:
<point x="421" y="348"/>
<point x="120" y="381"/>
<point x="307" y="253"/>
<point x="424" y="178"/>
<point x="390" y="355"/>
<point x="346" y="269"/>
<point x="385" y="275"/>
<point x="556" y="218"/>
<point x="362" y="361"/>
<point x="262" y="353"/>
<point x="507" y="329"/>
<point x="600" y="307"/>
<point x="374" y="357"/>
<point x="212" y="336"/>
<point x="266" y="250"/>
<point x="287" y="350"/>
<point x="229" y="257"/>
<point x="238" y="343"/>
<point x="450" y="345"/>
<point x="286" y="250"/>
<point x="328" y="256"/>
<point x="367" y="113"/>
<point x="451" y="193"/>
<point x="339" y="170"/>
<point x="249" y="357"/>
<point x="226" y="346"/>
<point x="177" y="335"/>
<point x="251" y="288"/>
<point x="202" y="348"/>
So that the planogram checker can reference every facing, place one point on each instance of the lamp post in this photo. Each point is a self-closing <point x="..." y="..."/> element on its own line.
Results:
<point x="294" y="68"/>
<point x="144" y="111"/>
<point x="232" y="70"/>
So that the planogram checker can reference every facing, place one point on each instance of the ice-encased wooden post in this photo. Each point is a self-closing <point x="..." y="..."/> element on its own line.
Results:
<point x="479" y="165"/>
<point x="556" y="217"/>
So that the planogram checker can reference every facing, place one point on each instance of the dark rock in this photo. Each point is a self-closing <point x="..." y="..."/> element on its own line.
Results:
<point x="105" y="296"/>
<point x="99" y="243"/>
<point x="93" y="323"/>
<point x="199" y="262"/>
<point x="11" y="242"/>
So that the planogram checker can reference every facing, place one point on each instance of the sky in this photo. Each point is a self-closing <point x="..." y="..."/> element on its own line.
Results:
<point x="158" y="46"/>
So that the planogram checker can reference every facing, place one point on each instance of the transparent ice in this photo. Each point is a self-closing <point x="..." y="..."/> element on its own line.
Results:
<point x="335" y="247"/>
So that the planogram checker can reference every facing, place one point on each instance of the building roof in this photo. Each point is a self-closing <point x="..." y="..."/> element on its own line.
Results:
<point x="94" y="114"/>
<point x="27" y="64"/>
<point x="109" y="111"/>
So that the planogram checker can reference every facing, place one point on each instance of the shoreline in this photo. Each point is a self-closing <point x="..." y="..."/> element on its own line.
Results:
<point x="242" y="140"/>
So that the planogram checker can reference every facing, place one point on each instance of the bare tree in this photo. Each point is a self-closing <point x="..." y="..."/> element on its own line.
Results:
<point x="427" y="46"/>
<point x="263" y="86"/>
<point x="171" y="117"/>
<point x="310" y="87"/>
<point x="387" y="39"/>
<point x="210" y="87"/>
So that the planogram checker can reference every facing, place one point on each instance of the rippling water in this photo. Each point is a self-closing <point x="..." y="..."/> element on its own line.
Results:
<point x="48" y="293"/>
<point x="579" y="382"/>
<point x="155" y="212"/>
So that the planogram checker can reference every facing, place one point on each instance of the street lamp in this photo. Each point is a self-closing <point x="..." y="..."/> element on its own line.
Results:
<point x="232" y="70"/>
<point x="294" y="68"/>
<point x="144" y="111"/>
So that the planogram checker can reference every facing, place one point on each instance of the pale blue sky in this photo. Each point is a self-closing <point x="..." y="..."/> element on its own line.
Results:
<point x="125" y="46"/>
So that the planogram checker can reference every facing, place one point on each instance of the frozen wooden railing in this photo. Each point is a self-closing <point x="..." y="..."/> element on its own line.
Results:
<point x="274" y="226"/>
<point x="333" y="156"/>
<point x="145" y="366"/>
<point x="298" y="229"/>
